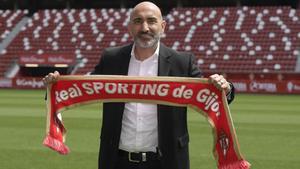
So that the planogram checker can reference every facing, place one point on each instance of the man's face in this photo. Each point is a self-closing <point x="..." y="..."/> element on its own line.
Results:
<point x="146" y="26"/>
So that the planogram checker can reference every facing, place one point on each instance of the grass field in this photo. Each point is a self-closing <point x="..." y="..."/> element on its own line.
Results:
<point x="268" y="129"/>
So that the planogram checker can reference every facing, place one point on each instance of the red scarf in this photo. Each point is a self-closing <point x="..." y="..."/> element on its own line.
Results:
<point x="199" y="94"/>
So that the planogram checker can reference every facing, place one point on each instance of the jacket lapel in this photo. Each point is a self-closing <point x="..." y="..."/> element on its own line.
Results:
<point x="164" y="66"/>
<point x="125" y="59"/>
<point x="123" y="63"/>
<point x="164" y="61"/>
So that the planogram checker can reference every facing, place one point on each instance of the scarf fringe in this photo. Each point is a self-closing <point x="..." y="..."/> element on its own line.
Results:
<point x="242" y="164"/>
<point x="56" y="145"/>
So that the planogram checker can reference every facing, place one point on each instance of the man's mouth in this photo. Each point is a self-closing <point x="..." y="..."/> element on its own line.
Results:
<point x="146" y="36"/>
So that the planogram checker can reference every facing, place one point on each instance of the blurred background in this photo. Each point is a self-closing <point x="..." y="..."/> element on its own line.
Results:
<point x="254" y="43"/>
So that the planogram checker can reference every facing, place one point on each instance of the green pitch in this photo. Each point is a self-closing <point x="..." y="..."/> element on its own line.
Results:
<point x="267" y="126"/>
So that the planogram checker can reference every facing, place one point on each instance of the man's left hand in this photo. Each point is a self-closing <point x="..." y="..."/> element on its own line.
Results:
<point x="220" y="82"/>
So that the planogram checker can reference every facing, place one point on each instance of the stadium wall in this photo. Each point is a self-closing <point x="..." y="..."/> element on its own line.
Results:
<point x="259" y="85"/>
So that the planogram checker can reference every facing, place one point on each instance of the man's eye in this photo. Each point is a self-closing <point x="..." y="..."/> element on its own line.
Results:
<point x="152" y="21"/>
<point x="137" y="21"/>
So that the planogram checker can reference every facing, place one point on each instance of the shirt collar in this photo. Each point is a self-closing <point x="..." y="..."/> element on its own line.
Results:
<point x="154" y="56"/>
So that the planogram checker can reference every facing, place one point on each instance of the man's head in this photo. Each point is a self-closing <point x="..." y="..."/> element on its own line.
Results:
<point x="146" y="24"/>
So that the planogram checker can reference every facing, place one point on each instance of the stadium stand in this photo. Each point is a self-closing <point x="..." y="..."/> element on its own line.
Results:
<point x="8" y="19"/>
<point x="224" y="39"/>
<point x="82" y="33"/>
<point x="248" y="39"/>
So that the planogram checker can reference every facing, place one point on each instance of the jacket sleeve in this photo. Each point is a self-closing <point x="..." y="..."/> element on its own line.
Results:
<point x="230" y="94"/>
<point x="98" y="70"/>
<point x="195" y="70"/>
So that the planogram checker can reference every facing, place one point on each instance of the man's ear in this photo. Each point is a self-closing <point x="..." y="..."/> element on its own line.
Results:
<point x="129" y="29"/>
<point x="163" y="25"/>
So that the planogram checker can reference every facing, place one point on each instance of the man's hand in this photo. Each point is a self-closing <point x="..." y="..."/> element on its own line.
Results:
<point x="220" y="82"/>
<point x="51" y="78"/>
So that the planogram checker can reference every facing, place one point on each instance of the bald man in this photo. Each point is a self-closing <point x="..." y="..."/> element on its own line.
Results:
<point x="139" y="135"/>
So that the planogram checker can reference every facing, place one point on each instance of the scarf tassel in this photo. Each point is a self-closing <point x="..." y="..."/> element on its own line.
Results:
<point x="56" y="145"/>
<point x="242" y="164"/>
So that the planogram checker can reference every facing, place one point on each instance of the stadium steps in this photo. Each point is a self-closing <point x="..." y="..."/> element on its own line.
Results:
<point x="4" y="67"/>
<point x="15" y="31"/>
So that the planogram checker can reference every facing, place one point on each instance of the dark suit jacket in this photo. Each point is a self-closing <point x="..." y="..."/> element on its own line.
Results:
<point x="173" y="137"/>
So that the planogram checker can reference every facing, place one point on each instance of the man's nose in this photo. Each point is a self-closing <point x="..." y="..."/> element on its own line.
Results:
<point x="145" y="27"/>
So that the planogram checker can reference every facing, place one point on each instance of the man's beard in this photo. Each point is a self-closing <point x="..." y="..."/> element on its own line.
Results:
<point x="147" y="44"/>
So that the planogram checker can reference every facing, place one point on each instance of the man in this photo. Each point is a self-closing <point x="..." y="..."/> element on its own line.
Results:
<point x="138" y="135"/>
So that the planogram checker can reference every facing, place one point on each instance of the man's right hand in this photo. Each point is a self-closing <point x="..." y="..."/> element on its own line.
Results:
<point x="51" y="78"/>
